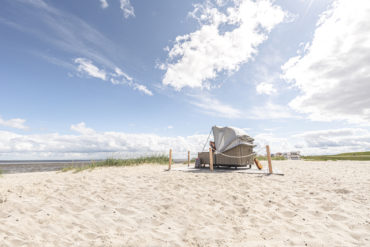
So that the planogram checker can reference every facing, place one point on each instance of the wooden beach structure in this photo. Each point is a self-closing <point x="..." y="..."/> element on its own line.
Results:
<point x="232" y="148"/>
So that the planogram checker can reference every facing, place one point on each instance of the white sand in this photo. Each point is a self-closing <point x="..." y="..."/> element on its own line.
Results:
<point x="314" y="204"/>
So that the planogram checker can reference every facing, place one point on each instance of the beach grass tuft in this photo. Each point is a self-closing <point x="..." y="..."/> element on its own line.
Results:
<point x="272" y="158"/>
<point x="361" y="156"/>
<point x="191" y="161"/>
<point x="66" y="169"/>
<point x="111" y="162"/>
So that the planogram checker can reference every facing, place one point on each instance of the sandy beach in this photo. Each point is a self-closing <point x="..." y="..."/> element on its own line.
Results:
<point x="313" y="204"/>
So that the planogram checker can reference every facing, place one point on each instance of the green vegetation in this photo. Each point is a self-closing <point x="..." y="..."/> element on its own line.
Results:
<point x="1" y="172"/>
<point x="272" y="158"/>
<point x="343" y="156"/>
<point x="191" y="161"/>
<point x="160" y="159"/>
<point x="66" y="169"/>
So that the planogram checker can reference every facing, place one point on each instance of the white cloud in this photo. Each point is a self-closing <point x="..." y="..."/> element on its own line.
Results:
<point x="170" y="127"/>
<point x="212" y="106"/>
<point x="117" y="77"/>
<point x="104" y="4"/>
<point x="120" y="77"/>
<point x="63" y="31"/>
<point x="330" y="141"/>
<point x="82" y="129"/>
<point x="74" y="36"/>
<point x="335" y="141"/>
<point x="66" y="32"/>
<point x="333" y="75"/>
<point x="142" y="88"/>
<point x="16" y="123"/>
<point x="86" y="66"/>
<point x="224" y="41"/>
<point x="119" y="72"/>
<point x="127" y="8"/>
<point x="265" y="88"/>
<point x="277" y="144"/>
<point x="90" y="144"/>
<point x="271" y="111"/>
<point x="208" y="104"/>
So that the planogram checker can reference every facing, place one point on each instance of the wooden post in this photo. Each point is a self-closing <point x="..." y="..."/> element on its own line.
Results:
<point x="210" y="159"/>
<point x="170" y="161"/>
<point x="188" y="158"/>
<point x="269" y="158"/>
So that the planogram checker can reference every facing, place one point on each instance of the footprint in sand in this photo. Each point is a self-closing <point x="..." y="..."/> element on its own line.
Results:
<point x="338" y="217"/>
<point x="77" y="209"/>
<point x="17" y="242"/>
<point x="289" y="214"/>
<point x="89" y="235"/>
<point x="125" y="211"/>
<point x="356" y="236"/>
<point x="327" y="207"/>
<point x="342" y="191"/>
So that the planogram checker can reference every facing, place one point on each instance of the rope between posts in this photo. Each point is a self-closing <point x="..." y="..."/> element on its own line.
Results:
<point x="206" y="141"/>
<point x="229" y="156"/>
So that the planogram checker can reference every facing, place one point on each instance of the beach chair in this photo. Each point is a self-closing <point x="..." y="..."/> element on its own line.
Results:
<point x="234" y="148"/>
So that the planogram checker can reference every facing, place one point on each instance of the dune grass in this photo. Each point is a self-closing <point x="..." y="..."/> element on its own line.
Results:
<point x="361" y="156"/>
<point x="111" y="162"/>
<point x="260" y="157"/>
<point x="191" y="161"/>
<point x="1" y="172"/>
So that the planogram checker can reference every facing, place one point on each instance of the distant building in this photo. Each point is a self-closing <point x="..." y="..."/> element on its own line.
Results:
<point x="296" y="155"/>
<point x="292" y="155"/>
<point x="279" y="154"/>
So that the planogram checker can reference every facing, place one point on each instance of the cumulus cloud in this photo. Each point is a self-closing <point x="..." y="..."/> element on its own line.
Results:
<point x="16" y="123"/>
<point x="104" y="4"/>
<point x="265" y="88"/>
<point x="82" y="129"/>
<point x="329" y="141"/>
<point x="86" y="66"/>
<point x="335" y="140"/>
<point x="333" y="74"/>
<point x="225" y="40"/>
<point x="88" y="144"/>
<point x="127" y="8"/>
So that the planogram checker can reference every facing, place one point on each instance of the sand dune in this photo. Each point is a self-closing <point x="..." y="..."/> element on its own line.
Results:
<point x="314" y="204"/>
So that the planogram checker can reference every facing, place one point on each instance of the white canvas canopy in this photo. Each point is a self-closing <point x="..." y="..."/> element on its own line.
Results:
<point x="228" y="137"/>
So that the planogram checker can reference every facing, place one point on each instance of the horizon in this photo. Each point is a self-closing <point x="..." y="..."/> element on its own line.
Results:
<point x="83" y="80"/>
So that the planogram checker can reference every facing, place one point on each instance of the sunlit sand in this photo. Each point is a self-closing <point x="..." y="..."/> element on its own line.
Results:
<point x="313" y="204"/>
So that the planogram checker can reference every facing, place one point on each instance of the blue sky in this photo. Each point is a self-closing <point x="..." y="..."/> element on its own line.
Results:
<point x="83" y="79"/>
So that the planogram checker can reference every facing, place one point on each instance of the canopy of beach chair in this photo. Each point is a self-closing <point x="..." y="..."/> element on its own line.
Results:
<point x="228" y="137"/>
